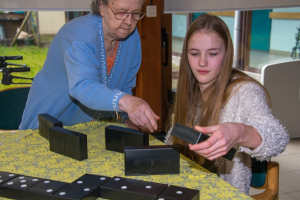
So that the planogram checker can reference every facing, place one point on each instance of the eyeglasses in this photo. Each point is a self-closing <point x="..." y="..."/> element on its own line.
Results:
<point x="123" y="15"/>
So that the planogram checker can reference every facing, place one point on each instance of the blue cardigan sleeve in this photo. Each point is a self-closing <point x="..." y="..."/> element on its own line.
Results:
<point x="131" y="78"/>
<point x="84" y="74"/>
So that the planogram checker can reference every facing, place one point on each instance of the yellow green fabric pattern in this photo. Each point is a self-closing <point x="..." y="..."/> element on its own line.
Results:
<point x="27" y="153"/>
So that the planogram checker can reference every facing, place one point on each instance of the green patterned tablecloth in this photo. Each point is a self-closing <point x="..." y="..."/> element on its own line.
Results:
<point x="27" y="153"/>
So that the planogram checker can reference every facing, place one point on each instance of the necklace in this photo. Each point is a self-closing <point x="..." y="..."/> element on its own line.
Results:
<point x="104" y="78"/>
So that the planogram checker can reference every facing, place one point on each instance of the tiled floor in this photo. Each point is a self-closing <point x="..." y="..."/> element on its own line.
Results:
<point x="289" y="172"/>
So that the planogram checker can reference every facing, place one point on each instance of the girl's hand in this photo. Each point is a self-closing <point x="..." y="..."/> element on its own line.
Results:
<point x="224" y="137"/>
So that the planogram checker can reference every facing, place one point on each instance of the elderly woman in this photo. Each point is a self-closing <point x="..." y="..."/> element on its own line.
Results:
<point x="91" y="69"/>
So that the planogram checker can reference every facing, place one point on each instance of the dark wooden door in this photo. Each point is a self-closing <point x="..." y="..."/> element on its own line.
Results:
<point x="155" y="75"/>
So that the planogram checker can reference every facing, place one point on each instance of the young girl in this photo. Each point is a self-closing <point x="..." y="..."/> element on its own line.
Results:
<point x="225" y="103"/>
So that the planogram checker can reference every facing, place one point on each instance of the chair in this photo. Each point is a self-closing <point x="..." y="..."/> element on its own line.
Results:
<point x="282" y="80"/>
<point x="265" y="175"/>
<point x="13" y="101"/>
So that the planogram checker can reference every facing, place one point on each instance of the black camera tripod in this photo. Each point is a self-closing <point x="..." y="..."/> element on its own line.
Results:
<point x="7" y="77"/>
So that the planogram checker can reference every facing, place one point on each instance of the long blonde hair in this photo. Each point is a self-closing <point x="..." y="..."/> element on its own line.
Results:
<point x="217" y="94"/>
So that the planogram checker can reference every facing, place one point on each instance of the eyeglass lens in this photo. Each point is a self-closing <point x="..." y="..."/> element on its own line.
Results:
<point x="135" y="16"/>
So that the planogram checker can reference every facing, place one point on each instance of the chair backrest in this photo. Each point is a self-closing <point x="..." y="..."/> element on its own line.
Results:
<point x="259" y="172"/>
<point x="267" y="175"/>
<point x="12" y="105"/>
<point x="282" y="80"/>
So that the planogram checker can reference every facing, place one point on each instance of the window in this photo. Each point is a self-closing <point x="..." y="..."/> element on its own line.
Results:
<point x="274" y="37"/>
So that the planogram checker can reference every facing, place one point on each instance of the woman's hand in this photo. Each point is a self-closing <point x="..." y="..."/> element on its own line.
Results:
<point x="129" y="124"/>
<point x="224" y="137"/>
<point x="139" y="112"/>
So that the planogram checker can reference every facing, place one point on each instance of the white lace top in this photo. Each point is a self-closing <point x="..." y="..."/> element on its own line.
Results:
<point x="248" y="106"/>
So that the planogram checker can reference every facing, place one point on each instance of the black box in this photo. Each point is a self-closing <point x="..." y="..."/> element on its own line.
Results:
<point x="17" y="187"/>
<point x="46" y="121"/>
<point x="68" y="143"/>
<point x="5" y="176"/>
<point x="91" y="180"/>
<point x="76" y="192"/>
<point x="192" y="136"/>
<point x="116" y="138"/>
<point x="152" y="160"/>
<point x="179" y="193"/>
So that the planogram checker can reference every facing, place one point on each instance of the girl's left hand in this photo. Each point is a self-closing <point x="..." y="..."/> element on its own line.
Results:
<point x="224" y="137"/>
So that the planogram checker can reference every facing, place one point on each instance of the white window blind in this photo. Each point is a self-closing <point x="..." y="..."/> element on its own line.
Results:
<point x="191" y="6"/>
<point x="45" y="5"/>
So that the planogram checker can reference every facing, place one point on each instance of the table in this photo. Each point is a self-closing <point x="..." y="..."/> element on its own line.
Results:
<point x="27" y="153"/>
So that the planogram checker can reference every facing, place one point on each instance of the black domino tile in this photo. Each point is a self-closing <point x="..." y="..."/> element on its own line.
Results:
<point x="4" y="176"/>
<point x="192" y="136"/>
<point x="117" y="188"/>
<point x="166" y="160"/>
<point x="47" y="186"/>
<point x="75" y="145"/>
<point x="76" y="192"/>
<point x="138" y="160"/>
<point x="188" y="134"/>
<point x="145" y="190"/>
<point x="91" y="180"/>
<point x="46" y="121"/>
<point x="152" y="160"/>
<point x="56" y="140"/>
<point x="68" y="143"/>
<point x="17" y="187"/>
<point x="22" y="182"/>
<point x="179" y="193"/>
<point x="116" y="138"/>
